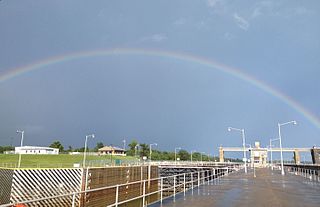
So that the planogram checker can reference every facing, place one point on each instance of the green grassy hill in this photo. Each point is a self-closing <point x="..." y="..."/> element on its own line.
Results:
<point x="61" y="161"/>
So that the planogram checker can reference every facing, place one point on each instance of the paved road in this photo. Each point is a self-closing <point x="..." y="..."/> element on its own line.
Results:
<point x="269" y="188"/>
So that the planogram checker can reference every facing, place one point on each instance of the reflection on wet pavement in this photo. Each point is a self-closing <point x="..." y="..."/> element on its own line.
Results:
<point x="269" y="188"/>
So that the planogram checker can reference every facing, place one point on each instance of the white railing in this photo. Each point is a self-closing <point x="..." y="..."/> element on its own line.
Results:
<point x="304" y="171"/>
<point x="166" y="187"/>
<point x="106" y="163"/>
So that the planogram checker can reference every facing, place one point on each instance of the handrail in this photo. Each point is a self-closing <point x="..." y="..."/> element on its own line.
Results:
<point x="222" y="170"/>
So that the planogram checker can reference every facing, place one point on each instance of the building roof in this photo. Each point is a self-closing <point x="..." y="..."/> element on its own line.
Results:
<point x="36" y="148"/>
<point x="110" y="148"/>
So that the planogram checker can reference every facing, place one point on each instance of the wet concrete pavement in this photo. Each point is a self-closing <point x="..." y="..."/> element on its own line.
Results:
<point x="268" y="188"/>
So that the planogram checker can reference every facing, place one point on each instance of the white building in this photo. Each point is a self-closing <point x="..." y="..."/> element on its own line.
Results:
<point x="33" y="150"/>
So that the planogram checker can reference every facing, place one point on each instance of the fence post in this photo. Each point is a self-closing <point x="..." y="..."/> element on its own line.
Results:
<point x="161" y="189"/>
<point x="144" y="193"/>
<point x="191" y="180"/>
<point x="174" y="187"/>
<point x="117" y="196"/>
<point x="73" y="199"/>
<point x="198" y="178"/>
<point x="184" y="184"/>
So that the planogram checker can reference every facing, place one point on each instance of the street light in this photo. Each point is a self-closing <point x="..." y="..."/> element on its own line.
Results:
<point x="21" y="144"/>
<point x="271" y="161"/>
<point x="85" y="149"/>
<point x="209" y="157"/>
<point x="192" y="151"/>
<point x="151" y="150"/>
<point x="201" y="155"/>
<point x="175" y="154"/>
<point x="135" y="149"/>
<point x="280" y="141"/>
<point x="244" y="145"/>
<point x="124" y="144"/>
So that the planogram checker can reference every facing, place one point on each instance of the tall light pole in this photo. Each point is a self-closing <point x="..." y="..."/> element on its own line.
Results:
<point x="85" y="149"/>
<point x="151" y="150"/>
<point x="175" y="154"/>
<point x="135" y="150"/>
<point x="21" y="144"/>
<point x="271" y="159"/>
<point x="244" y="145"/>
<point x="209" y="157"/>
<point x="192" y="151"/>
<point x="201" y="155"/>
<point x="280" y="141"/>
<point x="124" y="144"/>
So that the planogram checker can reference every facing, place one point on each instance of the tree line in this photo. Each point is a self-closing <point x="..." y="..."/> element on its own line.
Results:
<point x="141" y="150"/>
<point x="138" y="150"/>
<point x="6" y="148"/>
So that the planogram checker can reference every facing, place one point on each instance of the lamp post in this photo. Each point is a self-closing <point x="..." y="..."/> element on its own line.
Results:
<point x="209" y="157"/>
<point x="244" y="145"/>
<point x="175" y="154"/>
<point x="135" y="149"/>
<point x="192" y="151"/>
<point x="280" y="141"/>
<point x="151" y="150"/>
<point x="21" y="144"/>
<point x="201" y="155"/>
<point x="85" y="149"/>
<point x="271" y="159"/>
<point x="124" y="144"/>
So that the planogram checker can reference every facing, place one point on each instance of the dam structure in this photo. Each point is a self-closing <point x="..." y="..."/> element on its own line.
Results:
<point x="167" y="182"/>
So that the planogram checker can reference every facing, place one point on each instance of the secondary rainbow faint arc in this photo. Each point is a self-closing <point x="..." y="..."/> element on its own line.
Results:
<point x="165" y="54"/>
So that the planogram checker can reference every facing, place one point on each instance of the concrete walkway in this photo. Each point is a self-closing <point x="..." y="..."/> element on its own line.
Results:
<point x="268" y="188"/>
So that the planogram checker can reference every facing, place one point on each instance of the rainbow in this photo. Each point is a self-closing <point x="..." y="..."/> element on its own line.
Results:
<point x="14" y="72"/>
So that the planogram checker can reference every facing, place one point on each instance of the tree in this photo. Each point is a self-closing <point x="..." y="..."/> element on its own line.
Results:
<point x="132" y="148"/>
<point x="70" y="148"/>
<point x="58" y="145"/>
<point x="6" y="148"/>
<point x="144" y="150"/>
<point x="183" y="155"/>
<point x="98" y="146"/>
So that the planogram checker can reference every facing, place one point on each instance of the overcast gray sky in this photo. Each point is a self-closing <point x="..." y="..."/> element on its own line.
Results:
<point x="152" y="98"/>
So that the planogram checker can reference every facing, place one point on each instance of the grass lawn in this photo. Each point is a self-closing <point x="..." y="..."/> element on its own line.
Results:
<point x="60" y="161"/>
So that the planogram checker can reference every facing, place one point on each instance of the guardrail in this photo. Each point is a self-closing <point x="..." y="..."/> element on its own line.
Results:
<point x="311" y="172"/>
<point x="108" y="163"/>
<point x="147" y="191"/>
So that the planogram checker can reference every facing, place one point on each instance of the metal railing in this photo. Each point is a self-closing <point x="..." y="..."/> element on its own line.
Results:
<point x="106" y="163"/>
<point x="160" y="188"/>
<point x="304" y="171"/>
